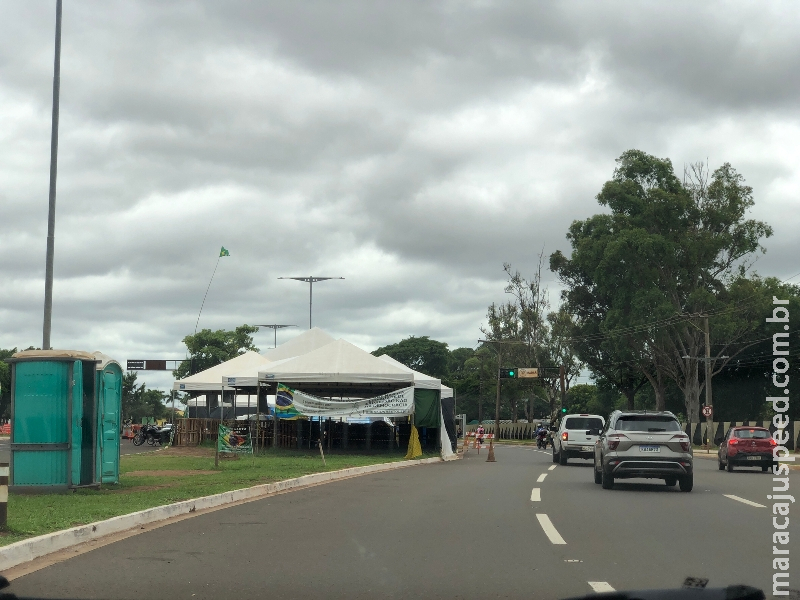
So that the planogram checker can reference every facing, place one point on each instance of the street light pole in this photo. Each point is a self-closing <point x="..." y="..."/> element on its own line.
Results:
<point x="51" y="213"/>
<point x="311" y="281"/>
<point x="275" y="328"/>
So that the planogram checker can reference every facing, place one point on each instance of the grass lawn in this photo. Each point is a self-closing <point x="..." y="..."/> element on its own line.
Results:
<point x="171" y="475"/>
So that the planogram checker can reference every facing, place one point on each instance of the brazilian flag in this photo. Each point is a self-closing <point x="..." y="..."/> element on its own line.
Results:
<point x="224" y="252"/>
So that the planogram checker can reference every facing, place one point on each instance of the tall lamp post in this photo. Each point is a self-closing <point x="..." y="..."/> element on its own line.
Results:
<point x="51" y="213"/>
<point x="311" y="281"/>
<point x="275" y="328"/>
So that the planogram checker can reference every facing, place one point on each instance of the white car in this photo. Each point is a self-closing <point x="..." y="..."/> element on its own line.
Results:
<point x="575" y="437"/>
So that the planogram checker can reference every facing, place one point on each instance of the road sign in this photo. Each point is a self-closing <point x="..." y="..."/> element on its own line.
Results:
<point x="152" y="365"/>
<point x="527" y="373"/>
<point x="708" y="411"/>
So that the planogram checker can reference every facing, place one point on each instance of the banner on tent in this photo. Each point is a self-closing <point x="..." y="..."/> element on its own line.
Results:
<point x="291" y="404"/>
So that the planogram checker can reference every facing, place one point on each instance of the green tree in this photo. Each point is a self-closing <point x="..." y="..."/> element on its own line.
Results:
<point x="208" y="348"/>
<point x="421" y="354"/>
<point x="139" y="402"/>
<point x="667" y="250"/>
<point x="5" y="382"/>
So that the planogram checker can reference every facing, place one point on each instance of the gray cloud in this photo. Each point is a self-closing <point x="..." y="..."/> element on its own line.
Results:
<point x="412" y="148"/>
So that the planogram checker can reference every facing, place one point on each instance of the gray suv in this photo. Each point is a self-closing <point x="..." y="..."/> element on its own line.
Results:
<point x="648" y="444"/>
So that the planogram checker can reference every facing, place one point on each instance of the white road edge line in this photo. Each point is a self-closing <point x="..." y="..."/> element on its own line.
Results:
<point x="536" y="495"/>
<point x="601" y="586"/>
<point x="549" y="529"/>
<point x="551" y="468"/>
<point x="541" y="478"/>
<point x="743" y="501"/>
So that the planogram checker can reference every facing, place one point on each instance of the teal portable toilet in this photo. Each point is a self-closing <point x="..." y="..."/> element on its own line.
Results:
<point x="62" y="404"/>
<point x="109" y="417"/>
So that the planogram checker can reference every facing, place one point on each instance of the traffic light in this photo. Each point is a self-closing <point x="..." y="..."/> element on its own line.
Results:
<point x="563" y="410"/>
<point x="508" y="373"/>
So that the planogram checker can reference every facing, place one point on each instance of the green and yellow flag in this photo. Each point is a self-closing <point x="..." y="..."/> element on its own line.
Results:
<point x="228" y="441"/>
<point x="224" y="252"/>
<point x="414" y="448"/>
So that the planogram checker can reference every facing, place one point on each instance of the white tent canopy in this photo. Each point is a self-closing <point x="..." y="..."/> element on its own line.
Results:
<point x="302" y="344"/>
<point x="211" y="379"/>
<point x="421" y="380"/>
<point x="337" y="362"/>
<point x="447" y="392"/>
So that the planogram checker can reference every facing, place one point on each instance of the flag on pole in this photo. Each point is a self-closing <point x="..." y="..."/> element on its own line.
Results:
<point x="223" y="252"/>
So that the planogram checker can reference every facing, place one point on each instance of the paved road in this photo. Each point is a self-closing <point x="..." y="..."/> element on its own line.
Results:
<point x="466" y="529"/>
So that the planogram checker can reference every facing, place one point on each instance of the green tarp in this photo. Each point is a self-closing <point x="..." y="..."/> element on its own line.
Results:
<point x="426" y="408"/>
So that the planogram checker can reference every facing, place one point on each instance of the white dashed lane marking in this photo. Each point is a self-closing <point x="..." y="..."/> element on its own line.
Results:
<point x="541" y="478"/>
<point x="549" y="530"/>
<point x="743" y="501"/>
<point x="536" y="495"/>
<point x="600" y="586"/>
<point x="551" y="468"/>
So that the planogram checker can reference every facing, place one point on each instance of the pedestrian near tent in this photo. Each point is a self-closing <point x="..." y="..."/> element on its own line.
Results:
<point x="479" y="435"/>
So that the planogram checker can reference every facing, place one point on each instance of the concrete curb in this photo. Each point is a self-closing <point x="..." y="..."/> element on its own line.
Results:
<point x="30" y="549"/>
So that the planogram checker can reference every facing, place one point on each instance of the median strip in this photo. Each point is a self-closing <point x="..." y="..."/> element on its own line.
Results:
<point x="550" y="530"/>
<point x="743" y="501"/>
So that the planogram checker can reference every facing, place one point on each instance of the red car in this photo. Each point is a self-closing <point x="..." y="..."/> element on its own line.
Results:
<point x="746" y="447"/>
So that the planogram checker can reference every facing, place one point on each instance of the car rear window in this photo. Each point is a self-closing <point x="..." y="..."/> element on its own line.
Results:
<point x="647" y="423"/>
<point x="750" y="434"/>
<point x="584" y="423"/>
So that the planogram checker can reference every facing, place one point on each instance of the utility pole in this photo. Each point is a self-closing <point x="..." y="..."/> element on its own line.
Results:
<point x="311" y="281"/>
<point x="710" y="417"/>
<point x="561" y="376"/>
<point x="51" y="213"/>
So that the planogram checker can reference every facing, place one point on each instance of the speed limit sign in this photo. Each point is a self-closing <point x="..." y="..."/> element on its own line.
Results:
<point x="707" y="411"/>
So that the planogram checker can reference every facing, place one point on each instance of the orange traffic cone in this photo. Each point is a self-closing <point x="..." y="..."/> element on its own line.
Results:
<point x="491" y="452"/>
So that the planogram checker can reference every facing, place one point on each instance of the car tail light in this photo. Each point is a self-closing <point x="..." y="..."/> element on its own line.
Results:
<point x="614" y="440"/>
<point x="732" y="442"/>
<point x="565" y="436"/>
<point x="683" y="440"/>
<point x="772" y="442"/>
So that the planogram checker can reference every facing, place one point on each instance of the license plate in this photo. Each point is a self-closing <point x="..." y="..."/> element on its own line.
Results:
<point x="585" y="448"/>
<point x="649" y="448"/>
<point x="753" y="458"/>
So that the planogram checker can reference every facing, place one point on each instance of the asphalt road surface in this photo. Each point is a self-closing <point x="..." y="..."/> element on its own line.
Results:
<point x="463" y="529"/>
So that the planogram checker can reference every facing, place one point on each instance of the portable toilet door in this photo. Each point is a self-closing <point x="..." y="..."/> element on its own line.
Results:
<point x="109" y="415"/>
<point x="52" y="415"/>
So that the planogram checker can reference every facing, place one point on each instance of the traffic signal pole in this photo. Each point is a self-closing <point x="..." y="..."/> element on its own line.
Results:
<point x="491" y="458"/>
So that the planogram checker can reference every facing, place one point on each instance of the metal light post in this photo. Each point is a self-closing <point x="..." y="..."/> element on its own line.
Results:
<point x="311" y="281"/>
<point x="275" y="328"/>
<point x="51" y="213"/>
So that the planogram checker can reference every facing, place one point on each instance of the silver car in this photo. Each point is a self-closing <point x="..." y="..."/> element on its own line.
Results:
<point x="648" y="444"/>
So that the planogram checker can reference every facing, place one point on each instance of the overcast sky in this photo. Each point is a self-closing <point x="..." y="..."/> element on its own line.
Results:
<point x="410" y="147"/>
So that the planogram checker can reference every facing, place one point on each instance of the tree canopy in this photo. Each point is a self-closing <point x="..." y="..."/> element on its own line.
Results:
<point x="208" y="348"/>
<point x="640" y="278"/>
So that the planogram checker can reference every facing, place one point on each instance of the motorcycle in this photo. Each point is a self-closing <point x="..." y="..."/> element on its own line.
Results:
<point x="542" y="438"/>
<point x="153" y="435"/>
